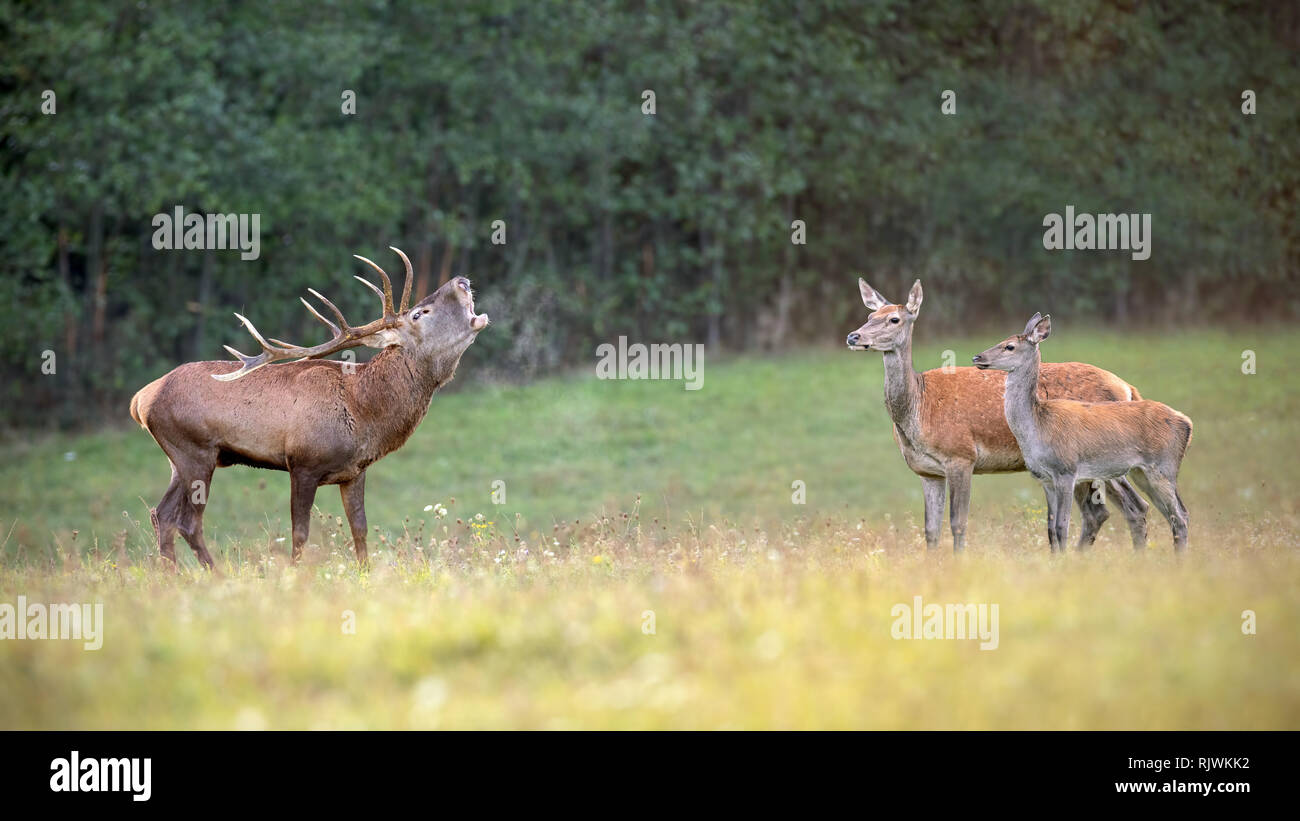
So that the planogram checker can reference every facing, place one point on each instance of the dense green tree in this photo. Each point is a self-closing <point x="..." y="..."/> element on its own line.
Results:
<point x="670" y="226"/>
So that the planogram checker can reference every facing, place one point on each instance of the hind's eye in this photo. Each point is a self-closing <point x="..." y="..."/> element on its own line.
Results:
<point x="1009" y="348"/>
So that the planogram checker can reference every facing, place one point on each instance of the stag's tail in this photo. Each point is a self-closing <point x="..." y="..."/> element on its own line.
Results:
<point x="141" y="401"/>
<point x="1136" y="396"/>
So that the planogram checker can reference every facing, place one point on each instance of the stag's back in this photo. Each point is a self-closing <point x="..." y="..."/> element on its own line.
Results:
<point x="259" y="419"/>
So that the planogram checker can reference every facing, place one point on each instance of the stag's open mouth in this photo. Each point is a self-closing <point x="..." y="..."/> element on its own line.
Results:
<point x="477" y="322"/>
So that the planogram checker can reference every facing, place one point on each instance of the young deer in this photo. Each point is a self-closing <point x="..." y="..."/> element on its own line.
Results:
<point x="323" y="421"/>
<point x="1064" y="441"/>
<point x="948" y="423"/>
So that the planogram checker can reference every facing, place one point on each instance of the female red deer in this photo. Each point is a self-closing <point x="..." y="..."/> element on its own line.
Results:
<point x="949" y="425"/>
<point x="1064" y="441"/>
<point x="323" y="421"/>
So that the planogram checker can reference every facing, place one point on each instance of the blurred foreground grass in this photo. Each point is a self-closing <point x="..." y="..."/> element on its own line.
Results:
<point x="765" y="613"/>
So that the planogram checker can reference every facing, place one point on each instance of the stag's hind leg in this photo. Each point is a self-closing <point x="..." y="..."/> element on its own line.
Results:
<point x="182" y="506"/>
<point x="194" y="468"/>
<point x="164" y="518"/>
<point x="192" y="525"/>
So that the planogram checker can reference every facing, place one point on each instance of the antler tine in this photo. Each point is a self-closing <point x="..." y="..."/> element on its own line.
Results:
<point x="376" y="334"/>
<point x="252" y="329"/>
<point x="343" y="323"/>
<point x="387" y="295"/>
<point x="406" y="290"/>
<point x="334" y="329"/>
<point x="247" y="364"/>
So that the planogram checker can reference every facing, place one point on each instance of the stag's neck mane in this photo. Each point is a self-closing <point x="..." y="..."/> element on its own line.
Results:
<point x="903" y="389"/>
<point x="393" y="391"/>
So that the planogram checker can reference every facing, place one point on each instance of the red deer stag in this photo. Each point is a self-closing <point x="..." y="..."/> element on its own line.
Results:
<point x="1064" y="441"/>
<point x="949" y="423"/>
<point x="323" y="421"/>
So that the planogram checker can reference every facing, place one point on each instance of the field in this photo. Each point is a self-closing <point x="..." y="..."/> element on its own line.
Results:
<point x="649" y="569"/>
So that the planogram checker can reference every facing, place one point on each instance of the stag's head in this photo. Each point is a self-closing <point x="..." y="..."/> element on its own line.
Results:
<point x="890" y="326"/>
<point x="442" y="325"/>
<point x="1016" y="351"/>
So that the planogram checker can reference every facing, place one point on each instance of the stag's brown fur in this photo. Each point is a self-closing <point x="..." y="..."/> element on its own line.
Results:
<point x="321" y="421"/>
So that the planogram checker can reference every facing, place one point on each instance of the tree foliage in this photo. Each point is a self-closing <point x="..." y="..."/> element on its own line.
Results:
<point x="671" y="226"/>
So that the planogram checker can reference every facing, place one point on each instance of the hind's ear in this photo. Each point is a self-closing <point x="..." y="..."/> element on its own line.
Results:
<point x="914" y="299"/>
<point x="1040" y="330"/>
<point x="1029" y="326"/>
<point x="870" y="296"/>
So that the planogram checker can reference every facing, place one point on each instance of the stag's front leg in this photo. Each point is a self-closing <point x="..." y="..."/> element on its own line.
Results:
<point x="302" y="489"/>
<point x="354" y="505"/>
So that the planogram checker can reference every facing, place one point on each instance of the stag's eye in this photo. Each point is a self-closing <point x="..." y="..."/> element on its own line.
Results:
<point x="894" y="320"/>
<point x="1009" y="348"/>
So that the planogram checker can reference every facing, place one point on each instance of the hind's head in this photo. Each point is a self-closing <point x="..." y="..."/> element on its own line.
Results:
<point x="889" y="326"/>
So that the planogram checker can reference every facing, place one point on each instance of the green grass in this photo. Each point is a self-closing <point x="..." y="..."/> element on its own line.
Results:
<point x="768" y="614"/>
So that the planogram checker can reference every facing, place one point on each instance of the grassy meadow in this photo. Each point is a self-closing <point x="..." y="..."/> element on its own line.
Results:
<point x="648" y="568"/>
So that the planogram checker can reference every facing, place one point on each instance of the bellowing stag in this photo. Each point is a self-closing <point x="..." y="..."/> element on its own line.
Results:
<point x="323" y="421"/>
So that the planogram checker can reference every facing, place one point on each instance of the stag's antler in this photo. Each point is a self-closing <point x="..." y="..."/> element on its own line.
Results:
<point x="345" y="336"/>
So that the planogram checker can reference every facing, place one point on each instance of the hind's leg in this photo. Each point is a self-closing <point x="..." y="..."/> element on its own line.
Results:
<point x="1134" y="508"/>
<point x="1092" y="511"/>
<point x="958" y="479"/>
<point x="1163" y="491"/>
<point x="933" y="488"/>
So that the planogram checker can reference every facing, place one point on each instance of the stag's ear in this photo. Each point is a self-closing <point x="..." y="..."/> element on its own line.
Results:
<point x="914" y="299"/>
<point x="1038" y="328"/>
<point x="870" y="296"/>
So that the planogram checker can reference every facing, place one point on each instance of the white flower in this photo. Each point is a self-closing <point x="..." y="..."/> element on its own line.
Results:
<point x="427" y="508"/>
